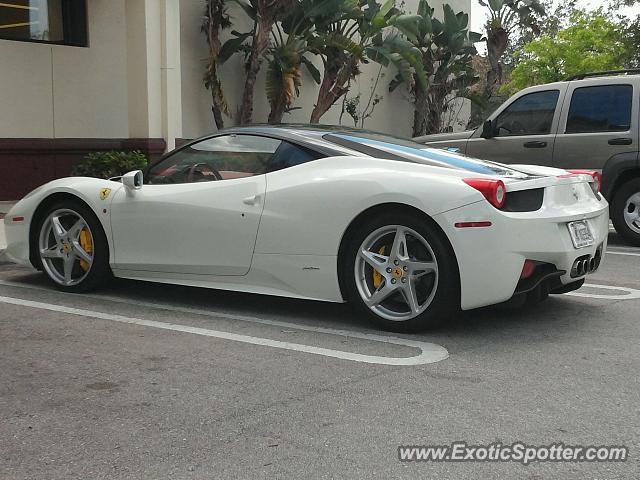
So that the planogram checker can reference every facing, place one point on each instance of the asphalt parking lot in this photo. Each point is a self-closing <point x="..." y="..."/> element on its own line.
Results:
<point x="154" y="381"/>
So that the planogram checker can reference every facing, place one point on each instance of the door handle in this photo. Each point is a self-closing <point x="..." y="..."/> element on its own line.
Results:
<point x="535" y="144"/>
<point x="252" y="200"/>
<point x="620" y="141"/>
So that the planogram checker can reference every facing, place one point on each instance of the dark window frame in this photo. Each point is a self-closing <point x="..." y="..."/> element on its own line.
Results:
<point x="627" y="86"/>
<point x="278" y="154"/>
<point x="75" y="21"/>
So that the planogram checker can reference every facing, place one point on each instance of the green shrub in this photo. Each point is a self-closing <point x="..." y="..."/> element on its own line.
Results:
<point x="109" y="164"/>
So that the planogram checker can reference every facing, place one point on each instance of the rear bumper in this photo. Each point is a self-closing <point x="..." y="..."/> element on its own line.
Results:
<point x="490" y="259"/>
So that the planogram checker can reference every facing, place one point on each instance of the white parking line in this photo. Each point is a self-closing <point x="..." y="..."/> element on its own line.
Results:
<point x="631" y="251"/>
<point x="429" y="352"/>
<point x="632" y="293"/>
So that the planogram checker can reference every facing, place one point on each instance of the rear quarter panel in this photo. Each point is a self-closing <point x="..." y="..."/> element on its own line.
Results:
<point x="309" y="207"/>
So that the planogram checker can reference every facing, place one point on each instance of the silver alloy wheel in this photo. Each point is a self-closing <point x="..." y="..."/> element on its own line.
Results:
<point x="408" y="272"/>
<point x="632" y="212"/>
<point x="62" y="255"/>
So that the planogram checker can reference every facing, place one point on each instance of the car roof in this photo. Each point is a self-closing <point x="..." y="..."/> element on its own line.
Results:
<point x="603" y="77"/>
<point x="301" y="129"/>
<point x="308" y="135"/>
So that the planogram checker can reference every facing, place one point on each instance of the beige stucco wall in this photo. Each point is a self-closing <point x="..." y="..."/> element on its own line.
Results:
<point x="392" y="115"/>
<point x="52" y="91"/>
<point x="142" y="77"/>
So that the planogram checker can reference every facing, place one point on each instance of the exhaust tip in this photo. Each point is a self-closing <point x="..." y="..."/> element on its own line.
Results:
<point x="592" y="265"/>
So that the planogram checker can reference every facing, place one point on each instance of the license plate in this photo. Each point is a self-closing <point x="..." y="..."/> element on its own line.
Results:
<point x="580" y="234"/>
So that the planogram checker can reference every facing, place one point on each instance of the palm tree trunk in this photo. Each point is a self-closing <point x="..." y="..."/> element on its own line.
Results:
<point x="496" y="45"/>
<point x="334" y="85"/>
<point x="259" y="46"/>
<point x="420" y="111"/>
<point x="277" y="111"/>
<point x="217" y="115"/>
<point x="215" y="15"/>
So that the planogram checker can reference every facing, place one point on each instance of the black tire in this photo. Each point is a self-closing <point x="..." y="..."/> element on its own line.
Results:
<point x="536" y="296"/>
<point x="617" y="210"/>
<point x="446" y="301"/>
<point x="99" y="272"/>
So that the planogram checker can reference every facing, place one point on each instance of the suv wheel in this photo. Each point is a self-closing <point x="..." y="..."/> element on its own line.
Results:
<point x="625" y="211"/>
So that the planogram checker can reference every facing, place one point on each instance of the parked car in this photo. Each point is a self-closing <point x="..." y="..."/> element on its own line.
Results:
<point x="406" y="234"/>
<point x="587" y="122"/>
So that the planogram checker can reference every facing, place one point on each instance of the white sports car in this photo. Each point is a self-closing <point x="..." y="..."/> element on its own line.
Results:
<point x="407" y="234"/>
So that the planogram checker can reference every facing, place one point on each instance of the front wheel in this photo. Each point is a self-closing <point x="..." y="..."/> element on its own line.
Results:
<point x="625" y="211"/>
<point x="72" y="247"/>
<point x="400" y="272"/>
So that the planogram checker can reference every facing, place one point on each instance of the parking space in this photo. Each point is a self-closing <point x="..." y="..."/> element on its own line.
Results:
<point x="146" y="381"/>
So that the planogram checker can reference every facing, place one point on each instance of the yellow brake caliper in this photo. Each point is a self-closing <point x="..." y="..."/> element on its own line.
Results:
<point x="87" y="246"/>
<point x="377" y="276"/>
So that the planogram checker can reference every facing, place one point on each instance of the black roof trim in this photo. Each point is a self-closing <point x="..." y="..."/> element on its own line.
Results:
<point x="606" y="73"/>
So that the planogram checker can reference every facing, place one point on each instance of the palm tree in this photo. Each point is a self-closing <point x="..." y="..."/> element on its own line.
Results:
<point x="264" y="13"/>
<point x="360" y="34"/>
<point x="215" y="20"/>
<point x="447" y="49"/>
<point x="288" y="53"/>
<point x="504" y="17"/>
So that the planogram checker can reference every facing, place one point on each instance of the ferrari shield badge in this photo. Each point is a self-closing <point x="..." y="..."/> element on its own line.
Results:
<point x="104" y="193"/>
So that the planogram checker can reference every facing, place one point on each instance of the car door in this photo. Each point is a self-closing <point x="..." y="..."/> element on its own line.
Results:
<point x="598" y="121"/>
<point x="198" y="210"/>
<point x="523" y="130"/>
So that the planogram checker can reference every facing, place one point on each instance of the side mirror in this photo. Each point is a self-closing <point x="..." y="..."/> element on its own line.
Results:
<point x="487" y="129"/>
<point x="132" y="180"/>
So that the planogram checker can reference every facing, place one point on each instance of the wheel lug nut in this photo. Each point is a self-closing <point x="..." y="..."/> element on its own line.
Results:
<point x="404" y="280"/>
<point x="388" y="269"/>
<point x="396" y="262"/>
<point x="405" y="268"/>
<point x="393" y="280"/>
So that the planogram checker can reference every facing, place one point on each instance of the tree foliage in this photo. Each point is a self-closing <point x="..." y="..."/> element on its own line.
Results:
<point x="109" y="164"/>
<point x="446" y="50"/>
<point x="505" y="18"/>
<point x="591" y="43"/>
<point x="369" y="31"/>
<point x="431" y="57"/>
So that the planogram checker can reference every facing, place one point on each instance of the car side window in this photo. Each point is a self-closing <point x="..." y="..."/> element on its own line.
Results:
<point x="531" y="114"/>
<point x="219" y="158"/>
<point x="604" y="108"/>
<point x="290" y="155"/>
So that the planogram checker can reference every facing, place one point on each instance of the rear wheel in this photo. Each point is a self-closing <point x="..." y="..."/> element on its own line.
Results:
<point x="399" y="271"/>
<point x="72" y="247"/>
<point x="625" y="211"/>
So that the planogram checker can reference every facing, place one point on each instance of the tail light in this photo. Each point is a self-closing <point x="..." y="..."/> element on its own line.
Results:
<point x="493" y="190"/>
<point x="597" y="178"/>
<point x="528" y="268"/>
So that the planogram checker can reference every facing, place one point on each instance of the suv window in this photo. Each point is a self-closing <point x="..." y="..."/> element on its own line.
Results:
<point x="219" y="158"/>
<point x="605" y="108"/>
<point x="530" y="114"/>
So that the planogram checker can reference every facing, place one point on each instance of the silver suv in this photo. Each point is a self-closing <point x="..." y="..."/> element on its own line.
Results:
<point x="587" y="122"/>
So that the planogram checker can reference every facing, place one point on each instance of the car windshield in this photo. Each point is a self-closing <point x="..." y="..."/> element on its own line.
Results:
<point x="385" y="146"/>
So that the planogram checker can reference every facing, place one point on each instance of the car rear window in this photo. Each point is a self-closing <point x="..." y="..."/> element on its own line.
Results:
<point x="392" y="148"/>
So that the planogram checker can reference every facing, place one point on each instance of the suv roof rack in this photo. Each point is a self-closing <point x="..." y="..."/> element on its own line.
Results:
<point x="582" y="76"/>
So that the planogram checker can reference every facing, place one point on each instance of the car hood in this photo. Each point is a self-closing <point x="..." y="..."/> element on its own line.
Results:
<point x="443" y="137"/>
